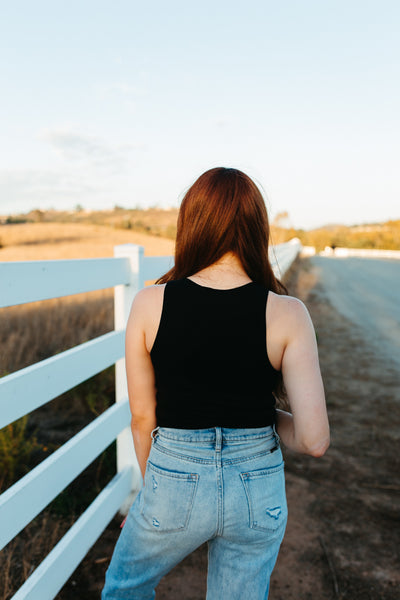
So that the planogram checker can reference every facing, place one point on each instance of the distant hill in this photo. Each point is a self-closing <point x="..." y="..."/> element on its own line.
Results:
<point x="385" y="236"/>
<point x="162" y="222"/>
<point x="154" y="221"/>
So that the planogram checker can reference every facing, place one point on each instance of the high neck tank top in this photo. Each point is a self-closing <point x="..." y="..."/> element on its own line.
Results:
<point x="210" y="358"/>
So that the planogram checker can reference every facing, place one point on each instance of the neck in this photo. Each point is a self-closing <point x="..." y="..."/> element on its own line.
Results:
<point x="226" y="272"/>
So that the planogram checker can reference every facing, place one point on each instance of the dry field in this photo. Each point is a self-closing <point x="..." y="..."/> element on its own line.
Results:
<point x="46" y="241"/>
<point x="37" y="330"/>
<point x="33" y="332"/>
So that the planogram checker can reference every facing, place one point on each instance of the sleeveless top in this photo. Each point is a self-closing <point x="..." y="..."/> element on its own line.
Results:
<point x="210" y="358"/>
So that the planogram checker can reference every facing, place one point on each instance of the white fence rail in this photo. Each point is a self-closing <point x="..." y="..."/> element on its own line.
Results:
<point x="283" y="255"/>
<point x="361" y="253"/>
<point x="54" y="376"/>
<point x="29" y="281"/>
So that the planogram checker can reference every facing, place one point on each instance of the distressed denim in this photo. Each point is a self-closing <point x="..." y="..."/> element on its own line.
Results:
<point x="221" y="486"/>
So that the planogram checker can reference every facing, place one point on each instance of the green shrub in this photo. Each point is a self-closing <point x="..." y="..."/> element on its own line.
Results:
<point x="16" y="449"/>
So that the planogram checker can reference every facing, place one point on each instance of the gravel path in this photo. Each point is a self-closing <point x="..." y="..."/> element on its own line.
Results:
<point x="367" y="292"/>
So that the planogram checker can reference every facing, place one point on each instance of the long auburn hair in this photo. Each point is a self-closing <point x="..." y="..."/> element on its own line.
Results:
<point x="223" y="211"/>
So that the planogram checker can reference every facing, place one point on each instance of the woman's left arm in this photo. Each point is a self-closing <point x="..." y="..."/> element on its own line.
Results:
<point x="140" y="377"/>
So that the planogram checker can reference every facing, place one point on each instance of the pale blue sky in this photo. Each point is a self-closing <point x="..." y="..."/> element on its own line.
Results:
<point x="127" y="102"/>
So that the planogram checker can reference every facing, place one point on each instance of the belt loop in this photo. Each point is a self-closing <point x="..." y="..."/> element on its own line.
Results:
<point x="218" y="439"/>
<point x="154" y="433"/>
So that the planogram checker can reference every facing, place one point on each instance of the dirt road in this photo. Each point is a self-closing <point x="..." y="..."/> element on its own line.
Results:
<point x="367" y="292"/>
<point x="342" y="538"/>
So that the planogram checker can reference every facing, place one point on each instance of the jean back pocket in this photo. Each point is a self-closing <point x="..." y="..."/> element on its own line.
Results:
<point x="266" y="497"/>
<point x="168" y="497"/>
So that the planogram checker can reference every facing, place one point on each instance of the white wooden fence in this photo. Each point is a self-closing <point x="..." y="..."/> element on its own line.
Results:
<point x="29" y="388"/>
<point x="360" y="252"/>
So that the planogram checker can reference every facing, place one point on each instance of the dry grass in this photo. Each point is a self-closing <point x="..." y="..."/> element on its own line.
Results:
<point x="33" y="332"/>
<point x="46" y="241"/>
<point x="25" y="553"/>
<point x="36" y="331"/>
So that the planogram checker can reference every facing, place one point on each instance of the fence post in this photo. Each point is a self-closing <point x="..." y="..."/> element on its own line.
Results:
<point x="123" y="297"/>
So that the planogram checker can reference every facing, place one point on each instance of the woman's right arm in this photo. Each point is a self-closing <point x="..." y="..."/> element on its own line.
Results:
<point x="140" y="375"/>
<point x="306" y="428"/>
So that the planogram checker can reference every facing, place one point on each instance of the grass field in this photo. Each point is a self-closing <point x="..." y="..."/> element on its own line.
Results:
<point x="34" y="331"/>
<point x="46" y="241"/>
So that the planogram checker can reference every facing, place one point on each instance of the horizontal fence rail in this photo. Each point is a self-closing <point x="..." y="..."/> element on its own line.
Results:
<point x="30" y="281"/>
<point x="30" y="388"/>
<point x="155" y="266"/>
<point x="57" y="567"/>
<point x="283" y="255"/>
<point x="360" y="252"/>
<point x="27" y="389"/>
<point x="26" y="498"/>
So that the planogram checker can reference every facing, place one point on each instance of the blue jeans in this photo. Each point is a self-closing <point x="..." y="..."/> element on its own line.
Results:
<point x="221" y="486"/>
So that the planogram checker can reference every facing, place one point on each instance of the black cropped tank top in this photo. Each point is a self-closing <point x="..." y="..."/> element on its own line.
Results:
<point x="210" y="358"/>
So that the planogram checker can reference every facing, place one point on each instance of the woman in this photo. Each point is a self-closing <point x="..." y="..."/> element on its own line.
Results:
<point x="206" y="349"/>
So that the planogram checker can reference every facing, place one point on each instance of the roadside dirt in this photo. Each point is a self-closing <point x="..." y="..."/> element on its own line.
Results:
<point x="342" y="538"/>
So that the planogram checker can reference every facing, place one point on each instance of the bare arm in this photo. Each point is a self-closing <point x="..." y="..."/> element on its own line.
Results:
<point x="306" y="429"/>
<point x="140" y="376"/>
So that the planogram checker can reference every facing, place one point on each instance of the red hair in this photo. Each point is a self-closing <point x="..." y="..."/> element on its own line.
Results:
<point x="223" y="211"/>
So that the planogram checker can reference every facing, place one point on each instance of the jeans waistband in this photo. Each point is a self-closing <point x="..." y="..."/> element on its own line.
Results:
<point x="214" y="434"/>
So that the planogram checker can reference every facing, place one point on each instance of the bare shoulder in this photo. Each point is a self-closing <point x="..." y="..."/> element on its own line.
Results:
<point x="150" y="293"/>
<point x="288" y="315"/>
<point x="287" y="307"/>
<point x="148" y="301"/>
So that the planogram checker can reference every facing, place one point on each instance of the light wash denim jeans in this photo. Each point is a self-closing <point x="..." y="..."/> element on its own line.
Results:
<point x="221" y="486"/>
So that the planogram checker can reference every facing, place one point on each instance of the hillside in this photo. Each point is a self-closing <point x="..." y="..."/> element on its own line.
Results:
<point x="162" y="223"/>
<point x="385" y="236"/>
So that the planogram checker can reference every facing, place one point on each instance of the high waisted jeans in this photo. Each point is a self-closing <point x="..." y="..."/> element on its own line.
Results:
<point x="223" y="486"/>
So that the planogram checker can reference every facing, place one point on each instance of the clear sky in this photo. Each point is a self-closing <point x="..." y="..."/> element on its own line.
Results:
<point x="126" y="102"/>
